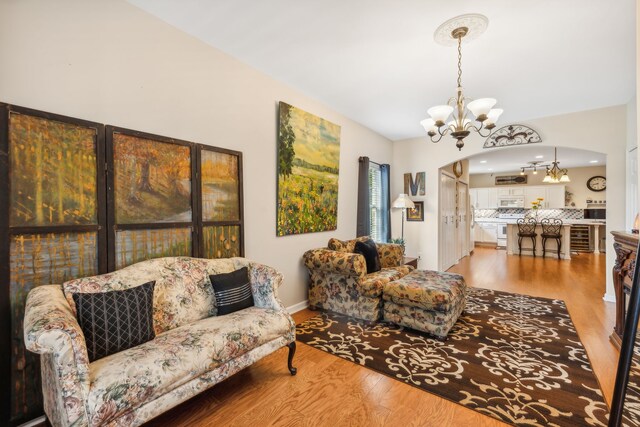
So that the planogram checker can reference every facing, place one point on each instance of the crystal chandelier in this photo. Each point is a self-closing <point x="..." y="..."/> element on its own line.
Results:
<point x="454" y="30"/>
<point x="554" y="173"/>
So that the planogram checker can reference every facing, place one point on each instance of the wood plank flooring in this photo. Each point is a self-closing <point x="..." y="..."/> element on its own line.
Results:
<point x="329" y="391"/>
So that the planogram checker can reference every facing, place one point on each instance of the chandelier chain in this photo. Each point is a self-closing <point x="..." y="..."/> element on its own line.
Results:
<point x="460" y="61"/>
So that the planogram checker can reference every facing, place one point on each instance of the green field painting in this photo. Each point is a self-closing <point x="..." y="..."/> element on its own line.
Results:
<point x="308" y="166"/>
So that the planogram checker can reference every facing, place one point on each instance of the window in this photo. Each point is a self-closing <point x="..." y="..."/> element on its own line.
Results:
<point x="375" y="202"/>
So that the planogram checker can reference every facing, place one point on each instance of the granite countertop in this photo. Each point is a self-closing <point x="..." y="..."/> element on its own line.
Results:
<point x="565" y="221"/>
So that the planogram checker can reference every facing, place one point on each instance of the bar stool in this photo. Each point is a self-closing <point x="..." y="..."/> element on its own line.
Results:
<point x="551" y="228"/>
<point x="527" y="228"/>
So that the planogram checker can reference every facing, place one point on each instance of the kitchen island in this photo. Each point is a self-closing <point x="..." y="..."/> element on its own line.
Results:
<point x="527" y="247"/>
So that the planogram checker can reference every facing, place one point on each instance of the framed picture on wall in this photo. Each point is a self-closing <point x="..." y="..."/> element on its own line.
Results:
<point x="416" y="213"/>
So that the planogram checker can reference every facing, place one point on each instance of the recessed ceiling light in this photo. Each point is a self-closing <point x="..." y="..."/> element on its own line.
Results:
<point x="593" y="161"/>
<point x="490" y="169"/>
<point x="483" y="161"/>
<point x="539" y="157"/>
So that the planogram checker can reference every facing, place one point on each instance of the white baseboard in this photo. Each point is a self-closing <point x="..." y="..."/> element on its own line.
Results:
<point x="609" y="298"/>
<point x="297" y="307"/>
<point x="34" y="422"/>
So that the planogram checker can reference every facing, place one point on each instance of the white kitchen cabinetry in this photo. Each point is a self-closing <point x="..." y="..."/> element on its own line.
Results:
<point x="555" y="197"/>
<point x="487" y="198"/>
<point x="514" y="191"/>
<point x="485" y="232"/>
<point x="531" y="194"/>
<point x="484" y="198"/>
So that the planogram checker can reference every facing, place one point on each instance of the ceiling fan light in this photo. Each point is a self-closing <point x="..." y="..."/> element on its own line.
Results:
<point x="440" y="113"/>
<point x="481" y="107"/>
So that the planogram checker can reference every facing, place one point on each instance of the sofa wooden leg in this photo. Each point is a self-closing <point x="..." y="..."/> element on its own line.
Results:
<point x="292" y="352"/>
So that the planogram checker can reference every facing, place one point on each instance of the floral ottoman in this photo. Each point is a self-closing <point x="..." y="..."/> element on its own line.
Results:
<point x="429" y="301"/>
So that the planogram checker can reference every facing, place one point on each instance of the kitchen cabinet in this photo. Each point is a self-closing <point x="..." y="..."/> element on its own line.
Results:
<point x="487" y="198"/>
<point x="484" y="198"/>
<point x="513" y="191"/>
<point x="553" y="196"/>
<point x="485" y="232"/>
<point x="532" y="193"/>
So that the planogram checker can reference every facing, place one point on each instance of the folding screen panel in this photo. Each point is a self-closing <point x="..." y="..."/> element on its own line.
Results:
<point x="221" y="206"/>
<point x="52" y="223"/>
<point x="151" y="198"/>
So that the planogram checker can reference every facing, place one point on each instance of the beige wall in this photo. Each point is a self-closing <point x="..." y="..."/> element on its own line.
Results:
<point x="578" y="184"/>
<point x="109" y="62"/>
<point x="577" y="130"/>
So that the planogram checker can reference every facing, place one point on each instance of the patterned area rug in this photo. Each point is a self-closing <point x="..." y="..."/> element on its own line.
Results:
<point x="513" y="357"/>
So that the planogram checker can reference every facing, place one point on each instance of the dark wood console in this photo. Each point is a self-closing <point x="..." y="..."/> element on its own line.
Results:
<point x="625" y="245"/>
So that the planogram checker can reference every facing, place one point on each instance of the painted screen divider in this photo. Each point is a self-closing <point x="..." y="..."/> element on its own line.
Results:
<point x="78" y="198"/>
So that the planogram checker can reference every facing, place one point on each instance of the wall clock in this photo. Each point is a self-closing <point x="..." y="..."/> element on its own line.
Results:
<point x="597" y="183"/>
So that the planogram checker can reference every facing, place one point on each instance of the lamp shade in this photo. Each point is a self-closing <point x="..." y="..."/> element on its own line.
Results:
<point x="481" y="106"/>
<point x="493" y="115"/>
<point x="440" y="113"/>
<point x="403" y="202"/>
<point x="565" y="178"/>
<point x="429" y="125"/>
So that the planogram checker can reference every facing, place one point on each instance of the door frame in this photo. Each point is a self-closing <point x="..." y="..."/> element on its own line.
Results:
<point x="440" y="226"/>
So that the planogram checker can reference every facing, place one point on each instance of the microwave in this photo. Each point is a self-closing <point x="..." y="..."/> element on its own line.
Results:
<point x="595" y="214"/>
<point x="511" y="202"/>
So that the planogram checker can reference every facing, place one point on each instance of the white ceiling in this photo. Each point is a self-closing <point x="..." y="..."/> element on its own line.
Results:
<point x="511" y="159"/>
<point x="376" y="61"/>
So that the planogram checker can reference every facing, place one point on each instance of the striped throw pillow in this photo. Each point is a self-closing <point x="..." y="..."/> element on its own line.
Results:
<point x="232" y="291"/>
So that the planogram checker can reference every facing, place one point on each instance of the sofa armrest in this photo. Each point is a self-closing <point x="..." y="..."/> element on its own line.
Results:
<point x="265" y="282"/>
<point x="51" y="329"/>
<point x="391" y="254"/>
<point x="346" y="263"/>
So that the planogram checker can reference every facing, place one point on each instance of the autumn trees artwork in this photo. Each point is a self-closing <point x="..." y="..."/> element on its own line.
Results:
<point x="54" y="172"/>
<point x="308" y="166"/>
<point x="152" y="180"/>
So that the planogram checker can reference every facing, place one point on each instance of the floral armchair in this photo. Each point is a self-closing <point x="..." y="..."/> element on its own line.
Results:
<point x="339" y="281"/>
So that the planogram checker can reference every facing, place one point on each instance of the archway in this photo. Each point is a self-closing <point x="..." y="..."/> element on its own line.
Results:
<point x="581" y="130"/>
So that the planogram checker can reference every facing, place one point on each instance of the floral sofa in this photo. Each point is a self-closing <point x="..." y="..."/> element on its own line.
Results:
<point x="339" y="281"/>
<point x="192" y="351"/>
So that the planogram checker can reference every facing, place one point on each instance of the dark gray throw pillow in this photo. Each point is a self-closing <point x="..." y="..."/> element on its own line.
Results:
<point x="232" y="291"/>
<point x="117" y="320"/>
<point x="369" y="250"/>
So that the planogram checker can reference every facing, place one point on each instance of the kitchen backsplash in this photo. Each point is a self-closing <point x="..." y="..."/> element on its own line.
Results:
<point x="566" y="213"/>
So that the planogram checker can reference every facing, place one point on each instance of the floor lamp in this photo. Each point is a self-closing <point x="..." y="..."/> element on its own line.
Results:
<point x="403" y="202"/>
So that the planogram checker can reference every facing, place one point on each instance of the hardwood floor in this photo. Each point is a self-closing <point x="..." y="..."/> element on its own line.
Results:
<point x="329" y="391"/>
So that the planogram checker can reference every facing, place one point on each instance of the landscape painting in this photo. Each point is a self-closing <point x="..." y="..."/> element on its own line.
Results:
<point x="152" y="180"/>
<point x="53" y="172"/>
<point x="220" y="186"/>
<point x="308" y="166"/>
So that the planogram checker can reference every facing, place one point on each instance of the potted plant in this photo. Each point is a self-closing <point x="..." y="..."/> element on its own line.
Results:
<point x="398" y="242"/>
